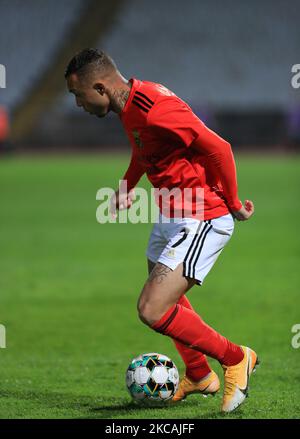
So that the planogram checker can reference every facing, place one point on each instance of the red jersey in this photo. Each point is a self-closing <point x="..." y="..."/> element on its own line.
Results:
<point x="175" y="148"/>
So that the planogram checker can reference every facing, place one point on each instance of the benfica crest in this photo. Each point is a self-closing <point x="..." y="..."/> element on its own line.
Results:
<point x="137" y="138"/>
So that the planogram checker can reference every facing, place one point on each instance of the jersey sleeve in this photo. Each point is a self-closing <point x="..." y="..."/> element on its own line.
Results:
<point x="134" y="172"/>
<point x="173" y="119"/>
<point x="220" y="155"/>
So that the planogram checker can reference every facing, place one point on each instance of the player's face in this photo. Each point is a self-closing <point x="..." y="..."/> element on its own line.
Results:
<point x="90" y="96"/>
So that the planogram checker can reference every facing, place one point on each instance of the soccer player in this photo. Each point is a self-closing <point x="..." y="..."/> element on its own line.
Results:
<point x="176" y="150"/>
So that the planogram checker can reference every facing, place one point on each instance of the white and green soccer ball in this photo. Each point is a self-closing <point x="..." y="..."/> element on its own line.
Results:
<point x="152" y="379"/>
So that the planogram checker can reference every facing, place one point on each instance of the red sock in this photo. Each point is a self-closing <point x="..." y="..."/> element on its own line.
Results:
<point x="196" y="363"/>
<point x="187" y="327"/>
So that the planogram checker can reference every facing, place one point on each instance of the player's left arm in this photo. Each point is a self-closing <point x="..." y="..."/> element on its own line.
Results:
<point x="220" y="154"/>
<point x="173" y="119"/>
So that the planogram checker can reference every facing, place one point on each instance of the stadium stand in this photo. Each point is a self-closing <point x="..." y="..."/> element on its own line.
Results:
<point x="29" y="40"/>
<point x="230" y="60"/>
<point x="221" y="54"/>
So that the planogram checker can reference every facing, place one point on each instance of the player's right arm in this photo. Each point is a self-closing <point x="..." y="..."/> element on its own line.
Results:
<point x="124" y="196"/>
<point x="134" y="172"/>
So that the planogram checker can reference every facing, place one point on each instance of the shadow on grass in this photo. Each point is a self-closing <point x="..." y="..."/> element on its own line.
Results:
<point x="97" y="407"/>
<point x="90" y="407"/>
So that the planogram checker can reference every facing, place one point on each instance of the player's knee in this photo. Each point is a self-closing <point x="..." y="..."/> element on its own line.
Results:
<point x="147" y="313"/>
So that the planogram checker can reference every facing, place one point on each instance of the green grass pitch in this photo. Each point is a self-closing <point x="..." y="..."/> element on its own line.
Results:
<point x="69" y="287"/>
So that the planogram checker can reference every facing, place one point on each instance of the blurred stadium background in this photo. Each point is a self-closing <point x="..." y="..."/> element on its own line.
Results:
<point x="68" y="286"/>
<point x="230" y="60"/>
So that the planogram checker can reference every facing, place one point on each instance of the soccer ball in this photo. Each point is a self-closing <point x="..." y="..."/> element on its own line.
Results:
<point x="152" y="379"/>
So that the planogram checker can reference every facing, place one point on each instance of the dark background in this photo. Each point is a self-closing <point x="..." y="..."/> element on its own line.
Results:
<point x="230" y="60"/>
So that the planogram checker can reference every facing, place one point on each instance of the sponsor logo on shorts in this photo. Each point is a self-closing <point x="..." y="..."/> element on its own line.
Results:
<point x="171" y="253"/>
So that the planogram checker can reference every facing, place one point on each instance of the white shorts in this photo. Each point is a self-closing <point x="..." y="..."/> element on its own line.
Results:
<point x="196" y="244"/>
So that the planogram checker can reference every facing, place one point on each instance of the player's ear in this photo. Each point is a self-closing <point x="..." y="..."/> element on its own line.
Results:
<point x="99" y="88"/>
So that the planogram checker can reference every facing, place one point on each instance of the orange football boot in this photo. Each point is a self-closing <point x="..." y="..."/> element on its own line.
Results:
<point x="209" y="385"/>
<point x="236" y="380"/>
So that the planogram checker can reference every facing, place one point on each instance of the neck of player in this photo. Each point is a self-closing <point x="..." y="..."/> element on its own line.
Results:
<point x="120" y="94"/>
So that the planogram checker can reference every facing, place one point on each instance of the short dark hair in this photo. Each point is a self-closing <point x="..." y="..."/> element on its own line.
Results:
<point x="89" y="60"/>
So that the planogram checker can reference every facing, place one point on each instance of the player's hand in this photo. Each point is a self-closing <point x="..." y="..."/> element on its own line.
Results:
<point x="121" y="201"/>
<point x="246" y="211"/>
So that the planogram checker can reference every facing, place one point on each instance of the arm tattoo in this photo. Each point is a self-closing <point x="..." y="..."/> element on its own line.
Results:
<point x="159" y="273"/>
